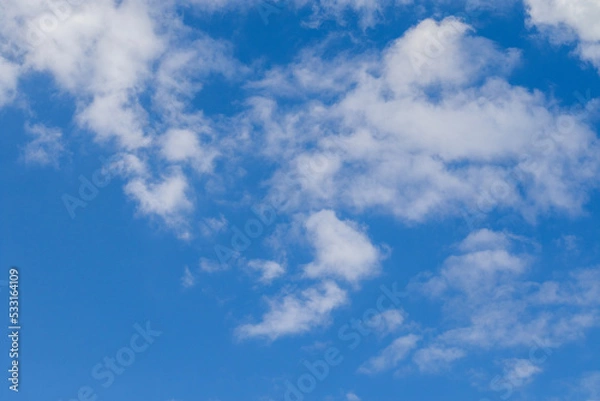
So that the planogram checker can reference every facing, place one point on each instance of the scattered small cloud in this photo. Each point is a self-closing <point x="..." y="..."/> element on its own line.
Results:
<point x="296" y="313"/>
<point x="268" y="269"/>
<point x="352" y="397"/>
<point x="46" y="148"/>
<point x="188" y="280"/>
<point x="390" y="356"/>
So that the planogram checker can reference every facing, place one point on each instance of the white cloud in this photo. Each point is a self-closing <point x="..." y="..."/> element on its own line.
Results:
<point x="369" y="12"/>
<point x="292" y="314"/>
<point x="488" y="302"/>
<point x="580" y="288"/>
<point x="9" y="74"/>
<point x="484" y="239"/>
<point x="427" y="128"/>
<point x="435" y="358"/>
<point x="188" y="280"/>
<point x="100" y="52"/>
<point x="112" y="57"/>
<point x="520" y="372"/>
<point x="46" y="148"/>
<point x="268" y="269"/>
<point x="352" y="397"/>
<point x="182" y="73"/>
<point x="391" y="355"/>
<point x="386" y="322"/>
<point x="342" y="249"/>
<point x="589" y="385"/>
<point x="180" y="145"/>
<point x="568" y="19"/>
<point x="486" y="263"/>
<point x="167" y="198"/>
<point x="211" y="265"/>
<point x="213" y="225"/>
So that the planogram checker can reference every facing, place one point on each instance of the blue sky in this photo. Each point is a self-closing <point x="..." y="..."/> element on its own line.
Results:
<point x="340" y="200"/>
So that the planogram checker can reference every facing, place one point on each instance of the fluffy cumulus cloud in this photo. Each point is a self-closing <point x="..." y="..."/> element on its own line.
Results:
<point x="267" y="269"/>
<point x="430" y="126"/>
<point x="188" y="280"/>
<point x="486" y="262"/>
<point x="424" y="128"/>
<point x="570" y="20"/>
<point x="297" y="313"/>
<point x="342" y="250"/>
<point x="167" y="197"/>
<point x="108" y="55"/>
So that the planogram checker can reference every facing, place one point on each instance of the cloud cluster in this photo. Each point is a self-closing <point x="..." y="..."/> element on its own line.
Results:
<point x="568" y="21"/>
<point x="425" y="128"/>
<point x="488" y="303"/>
<point x="342" y="252"/>
<point x="429" y="127"/>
